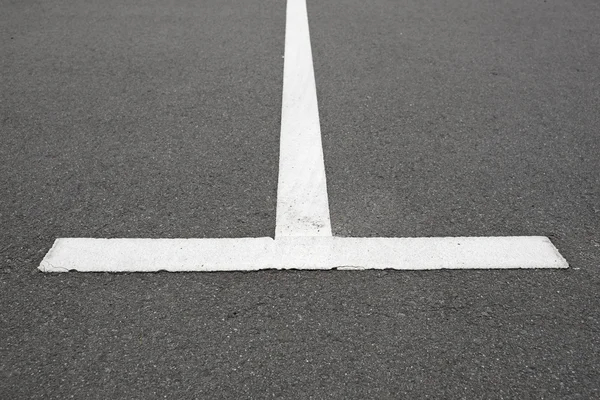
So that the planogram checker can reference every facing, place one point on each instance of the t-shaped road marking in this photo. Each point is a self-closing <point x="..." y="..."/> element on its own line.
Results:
<point x="303" y="238"/>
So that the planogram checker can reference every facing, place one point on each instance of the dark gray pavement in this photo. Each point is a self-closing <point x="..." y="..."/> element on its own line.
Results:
<point x="161" y="119"/>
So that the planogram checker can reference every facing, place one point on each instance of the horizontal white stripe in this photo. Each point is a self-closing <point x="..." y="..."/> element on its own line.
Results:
<point x="247" y="254"/>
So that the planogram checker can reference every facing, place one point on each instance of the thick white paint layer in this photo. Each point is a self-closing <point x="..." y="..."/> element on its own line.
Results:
<point x="248" y="254"/>
<point x="303" y="229"/>
<point x="302" y="204"/>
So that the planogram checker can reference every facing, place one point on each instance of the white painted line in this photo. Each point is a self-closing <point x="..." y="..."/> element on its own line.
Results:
<point x="303" y="238"/>
<point x="302" y="204"/>
<point x="248" y="254"/>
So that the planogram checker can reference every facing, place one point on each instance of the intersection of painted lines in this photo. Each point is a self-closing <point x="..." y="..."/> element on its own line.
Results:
<point x="303" y="236"/>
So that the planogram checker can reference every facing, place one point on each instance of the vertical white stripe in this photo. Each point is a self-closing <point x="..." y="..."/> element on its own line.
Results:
<point x="302" y="205"/>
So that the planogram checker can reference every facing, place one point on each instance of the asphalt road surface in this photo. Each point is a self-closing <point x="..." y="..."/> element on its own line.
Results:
<point x="161" y="119"/>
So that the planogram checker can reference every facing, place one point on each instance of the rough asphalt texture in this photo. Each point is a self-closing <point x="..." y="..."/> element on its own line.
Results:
<point x="161" y="119"/>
